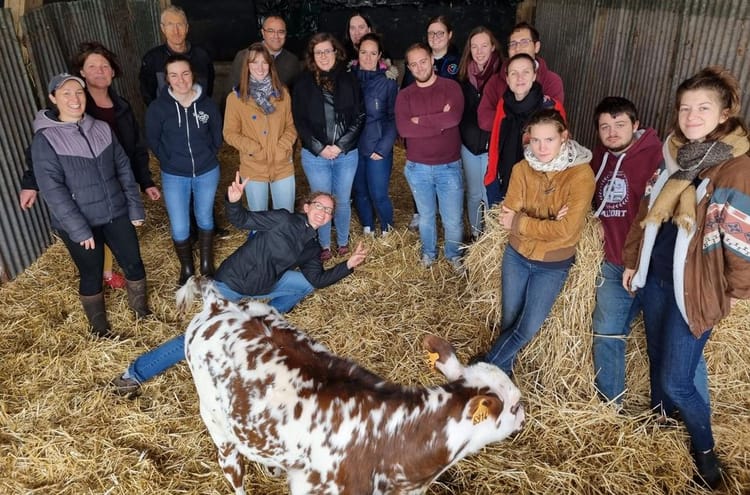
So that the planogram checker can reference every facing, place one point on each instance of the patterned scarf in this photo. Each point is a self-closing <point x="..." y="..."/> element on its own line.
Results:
<point x="571" y="153"/>
<point x="677" y="199"/>
<point x="262" y="91"/>
<point x="477" y="77"/>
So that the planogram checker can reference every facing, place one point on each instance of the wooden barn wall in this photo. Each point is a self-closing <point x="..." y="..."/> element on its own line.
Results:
<point x="51" y="35"/>
<point x="642" y="50"/>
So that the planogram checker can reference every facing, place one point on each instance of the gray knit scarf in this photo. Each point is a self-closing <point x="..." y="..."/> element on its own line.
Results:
<point x="262" y="91"/>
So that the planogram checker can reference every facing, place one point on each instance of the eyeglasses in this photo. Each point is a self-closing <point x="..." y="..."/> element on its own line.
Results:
<point x="435" y="34"/>
<point x="320" y="206"/>
<point x="520" y="43"/>
<point x="327" y="51"/>
<point x="275" y="32"/>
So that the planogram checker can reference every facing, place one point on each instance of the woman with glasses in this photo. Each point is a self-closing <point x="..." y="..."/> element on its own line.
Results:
<point x="445" y="55"/>
<point x="329" y="114"/>
<point x="480" y="60"/>
<point x="281" y="264"/>
<point x="258" y="123"/>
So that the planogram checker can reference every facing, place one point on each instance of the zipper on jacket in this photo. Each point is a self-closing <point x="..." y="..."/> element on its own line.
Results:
<point x="187" y="130"/>
<point x="98" y="170"/>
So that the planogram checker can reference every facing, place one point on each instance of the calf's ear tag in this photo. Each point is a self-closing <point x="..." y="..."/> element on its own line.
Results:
<point x="481" y="413"/>
<point x="432" y="358"/>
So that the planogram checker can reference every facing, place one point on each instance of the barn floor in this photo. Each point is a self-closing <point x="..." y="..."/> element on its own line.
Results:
<point x="62" y="430"/>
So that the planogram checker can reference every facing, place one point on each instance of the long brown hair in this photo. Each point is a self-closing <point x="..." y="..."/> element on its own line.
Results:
<point x="310" y="64"/>
<point x="253" y="51"/>
<point x="463" y="66"/>
<point x="726" y="88"/>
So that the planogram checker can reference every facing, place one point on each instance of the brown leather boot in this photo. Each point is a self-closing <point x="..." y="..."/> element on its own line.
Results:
<point x="184" y="250"/>
<point x="138" y="298"/>
<point x="96" y="313"/>
<point x="206" y="239"/>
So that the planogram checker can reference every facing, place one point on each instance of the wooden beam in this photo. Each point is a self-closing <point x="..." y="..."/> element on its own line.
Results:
<point x="526" y="11"/>
<point x="19" y="7"/>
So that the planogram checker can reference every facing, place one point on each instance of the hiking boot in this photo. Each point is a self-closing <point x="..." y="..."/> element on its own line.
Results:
<point x="96" y="313"/>
<point x="343" y="250"/>
<point x="126" y="386"/>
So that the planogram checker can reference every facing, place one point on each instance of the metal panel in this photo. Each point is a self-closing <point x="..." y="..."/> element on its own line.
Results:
<point x="51" y="37"/>
<point x="642" y="50"/>
<point x="24" y="235"/>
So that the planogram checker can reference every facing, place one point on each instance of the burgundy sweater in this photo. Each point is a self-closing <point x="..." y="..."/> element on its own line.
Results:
<point x="435" y="140"/>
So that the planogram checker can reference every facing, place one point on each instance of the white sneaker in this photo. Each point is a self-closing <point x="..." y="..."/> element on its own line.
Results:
<point x="457" y="265"/>
<point x="414" y="224"/>
<point x="426" y="261"/>
<point x="368" y="231"/>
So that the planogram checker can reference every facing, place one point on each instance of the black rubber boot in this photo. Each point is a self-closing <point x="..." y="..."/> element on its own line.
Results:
<point x="138" y="298"/>
<point x="206" y="239"/>
<point x="709" y="469"/>
<point x="184" y="251"/>
<point x="96" y="313"/>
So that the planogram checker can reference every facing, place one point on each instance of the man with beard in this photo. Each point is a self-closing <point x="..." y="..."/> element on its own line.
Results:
<point x="623" y="162"/>
<point x="427" y="116"/>
<point x="274" y="36"/>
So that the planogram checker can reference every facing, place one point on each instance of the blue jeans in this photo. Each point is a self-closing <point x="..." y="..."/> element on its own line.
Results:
<point x="614" y="312"/>
<point x="529" y="291"/>
<point x="475" y="166"/>
<point x="282" y="194"/>
<point x="657" y="299"/>
<point x="371" y="191"/>
<point x="177" y="190"/>
<point x="291" y="288"/>
<point x="333" y="177"/>
<point x="438" y="187"/>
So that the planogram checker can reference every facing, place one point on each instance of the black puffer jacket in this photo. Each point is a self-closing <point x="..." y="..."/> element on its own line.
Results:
<point x="283" y="241"/>
<point x="83" y="173"/>
<point x="318" y="123"/>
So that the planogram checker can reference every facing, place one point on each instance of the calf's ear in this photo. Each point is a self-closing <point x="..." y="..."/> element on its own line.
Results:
<point x="441" y="355"/>
<point x="483" y="407"/>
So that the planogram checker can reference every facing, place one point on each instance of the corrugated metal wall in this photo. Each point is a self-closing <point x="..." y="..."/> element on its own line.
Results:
<point x="52" y="34"/>
<point x="642" y="50"/>
<point x="23" y="234"/>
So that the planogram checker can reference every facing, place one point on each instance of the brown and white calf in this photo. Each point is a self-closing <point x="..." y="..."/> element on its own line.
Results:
<point x="272" y="394"/>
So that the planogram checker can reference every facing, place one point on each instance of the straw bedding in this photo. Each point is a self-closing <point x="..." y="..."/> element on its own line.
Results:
<point x="62" y="430"/>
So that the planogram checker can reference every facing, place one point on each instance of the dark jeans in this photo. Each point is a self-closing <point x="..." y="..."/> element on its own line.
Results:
<point x="370" y="191"/>
<point x="122" y="240"/>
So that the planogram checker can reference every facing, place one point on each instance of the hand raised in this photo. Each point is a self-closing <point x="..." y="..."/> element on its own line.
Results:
<point x="234" y="191"/>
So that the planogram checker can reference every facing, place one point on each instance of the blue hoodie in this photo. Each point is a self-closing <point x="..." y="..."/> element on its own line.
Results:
<point x="184" y="139"/>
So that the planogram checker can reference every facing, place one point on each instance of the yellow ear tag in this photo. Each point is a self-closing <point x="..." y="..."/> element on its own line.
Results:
<point x="432" y="358"/>
<point x="481" y="413"/>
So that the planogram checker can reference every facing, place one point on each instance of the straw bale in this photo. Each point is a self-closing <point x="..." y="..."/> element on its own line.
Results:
<point x="62" y="431"/>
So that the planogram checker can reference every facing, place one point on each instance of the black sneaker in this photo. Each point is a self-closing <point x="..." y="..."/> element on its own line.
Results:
<point x="709" y="469"/>
<point x="126" y="387"/>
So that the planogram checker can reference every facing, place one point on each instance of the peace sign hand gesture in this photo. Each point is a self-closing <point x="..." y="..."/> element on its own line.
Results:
<point x="234" y="191"/>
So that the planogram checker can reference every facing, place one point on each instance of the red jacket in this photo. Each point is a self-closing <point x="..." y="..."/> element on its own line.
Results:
<point x="494" y="152"/>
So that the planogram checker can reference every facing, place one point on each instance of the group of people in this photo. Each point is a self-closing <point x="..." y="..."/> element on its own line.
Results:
<point x="479" y="131"/>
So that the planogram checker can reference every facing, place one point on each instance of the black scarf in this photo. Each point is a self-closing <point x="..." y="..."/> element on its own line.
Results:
<point x="517" y="113"/>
